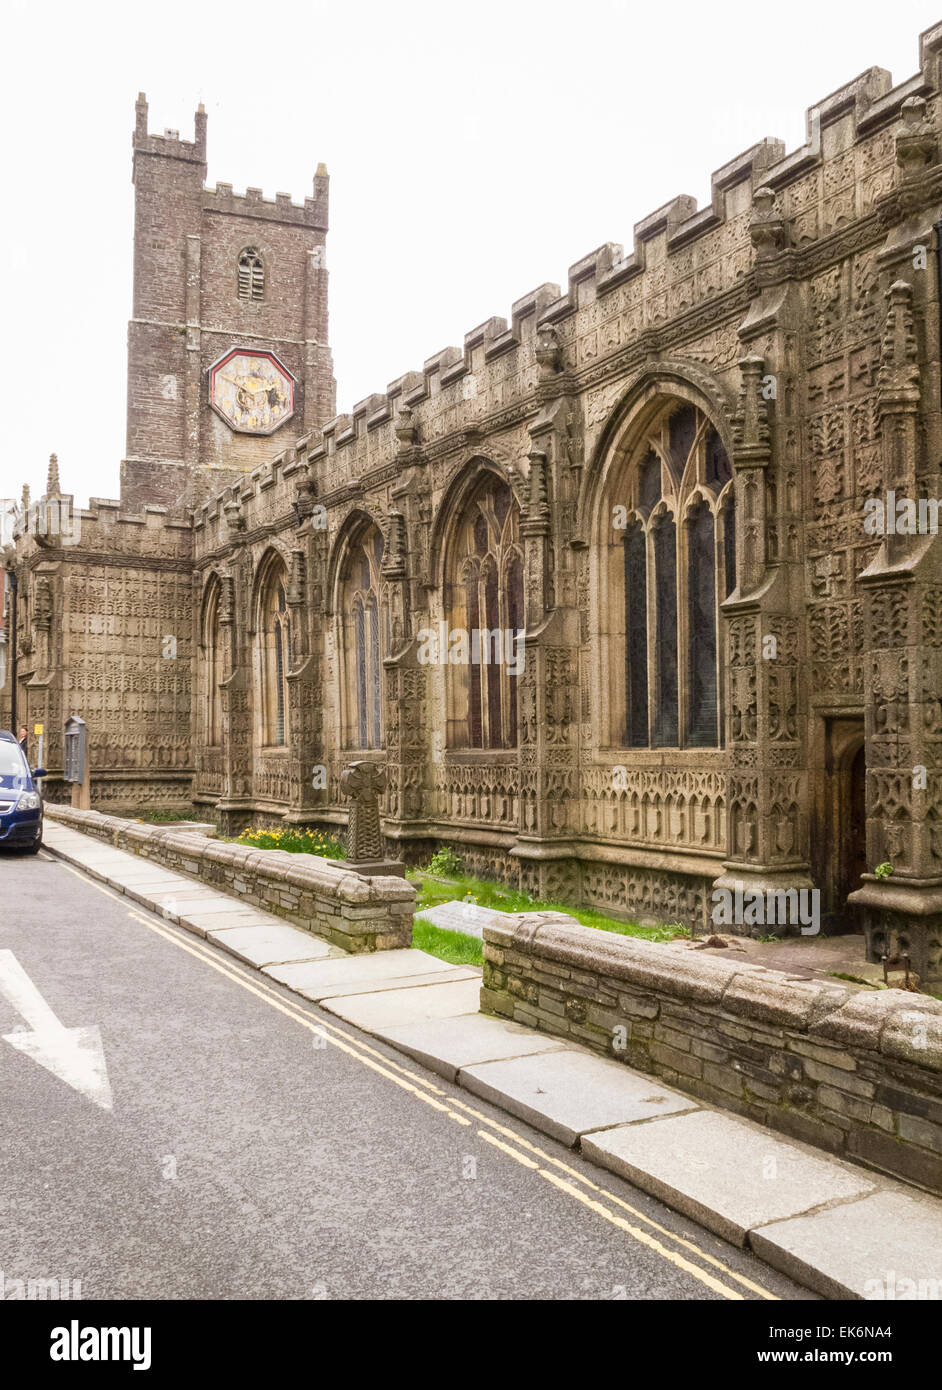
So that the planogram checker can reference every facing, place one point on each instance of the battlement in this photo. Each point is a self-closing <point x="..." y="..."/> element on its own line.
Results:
<point x="252" y="203"/>
<point x="169" y="144"/>
<point x="107" y="511"/>
<point x="56" y="528"/>
<point x="266" y="476"/>
<point x="861" y="108"/>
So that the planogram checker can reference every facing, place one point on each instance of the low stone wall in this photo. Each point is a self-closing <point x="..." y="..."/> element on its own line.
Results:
<point x="356" y="913"/>
<point x="856" y="1072"/>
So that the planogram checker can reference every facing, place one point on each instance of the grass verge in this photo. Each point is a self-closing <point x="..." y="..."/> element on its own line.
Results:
<point x="482" y="892"/>
<point x="452" y="946"/>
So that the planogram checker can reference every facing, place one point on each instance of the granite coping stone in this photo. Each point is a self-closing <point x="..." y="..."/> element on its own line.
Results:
<point x="860" y="1019"/>
<point x="348" y="886"/>
<point x="880" y="1021"/>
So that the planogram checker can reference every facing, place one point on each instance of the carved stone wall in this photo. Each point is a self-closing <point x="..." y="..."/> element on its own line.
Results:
<point x="798" y="313"/>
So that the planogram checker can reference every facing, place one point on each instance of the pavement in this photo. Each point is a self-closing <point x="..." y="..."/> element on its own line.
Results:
<point x="179" y="1125"/>
<point x="830" y="1226"/>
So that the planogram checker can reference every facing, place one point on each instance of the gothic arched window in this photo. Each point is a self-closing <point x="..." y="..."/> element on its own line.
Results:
<point x="274" y="653"/>
<point x="484" y="610"/>
<point x="363" y="645"/>
<point x="211" y="696"/>
<point x="668" y="561"/>
<point x="251" y="277"/>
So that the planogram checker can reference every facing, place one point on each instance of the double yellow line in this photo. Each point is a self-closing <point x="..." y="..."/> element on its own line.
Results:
<point x="561" y="1175"/>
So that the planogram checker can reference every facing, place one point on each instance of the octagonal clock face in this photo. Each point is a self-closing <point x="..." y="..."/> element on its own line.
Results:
<point x="252" y="391"/>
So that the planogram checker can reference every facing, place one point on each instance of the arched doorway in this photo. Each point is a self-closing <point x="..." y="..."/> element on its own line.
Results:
<point x="840" y="833"/>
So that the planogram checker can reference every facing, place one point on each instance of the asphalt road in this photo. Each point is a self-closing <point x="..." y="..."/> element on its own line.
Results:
<point x="248" y="1156"/>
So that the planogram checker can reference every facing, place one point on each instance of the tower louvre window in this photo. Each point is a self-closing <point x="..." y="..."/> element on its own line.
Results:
<point x="251" y="275"/>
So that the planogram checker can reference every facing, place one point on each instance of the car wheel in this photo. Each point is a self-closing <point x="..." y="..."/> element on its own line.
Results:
<point x="34" y="849"/>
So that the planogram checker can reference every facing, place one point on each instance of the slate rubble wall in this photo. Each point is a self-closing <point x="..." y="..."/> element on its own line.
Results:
<point x="350" y="911"/>
<point x="856" y="1073"/>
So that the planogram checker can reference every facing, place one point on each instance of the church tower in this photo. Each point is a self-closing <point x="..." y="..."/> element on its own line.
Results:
<point x="228" y="357"/>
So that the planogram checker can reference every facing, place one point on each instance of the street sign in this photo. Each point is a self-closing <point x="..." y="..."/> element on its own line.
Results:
<point x="38" y="730"/>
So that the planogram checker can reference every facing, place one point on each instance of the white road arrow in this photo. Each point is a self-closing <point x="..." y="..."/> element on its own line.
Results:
<point x="75" y="1055"/>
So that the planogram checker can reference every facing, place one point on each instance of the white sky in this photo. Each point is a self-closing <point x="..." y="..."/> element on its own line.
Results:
<point x="475" y="151"/>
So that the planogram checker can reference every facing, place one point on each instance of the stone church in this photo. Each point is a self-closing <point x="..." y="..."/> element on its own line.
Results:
<point x="692" y="656"/>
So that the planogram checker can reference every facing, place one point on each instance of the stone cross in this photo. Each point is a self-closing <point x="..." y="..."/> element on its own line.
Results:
<point x="364" y="782"/>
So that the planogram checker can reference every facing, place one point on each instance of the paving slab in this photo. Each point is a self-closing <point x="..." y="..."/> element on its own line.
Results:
<point x="211" y="906"/>
<point x="131" y="874"/>
<point x="571" y="1092"/>
<point x="104" y="855"/>
<point x="374" y="1012"/>
<point x="202" y="923"/>
<point x="726" y="1173"/>
<point x="447" y="1045"/>
<point x="196" y="891"/>
<point x="885" y="1246"/>
<point x="53" y="831"/>
<point x="363" y="973"/>
<point x="464" y="917"/>
<point x="172" y="903"/>
<point x="269" y="944"/>
<point x="148" y="873"/>
<point x="144" y="890"/>
<point x="143" y="893"/>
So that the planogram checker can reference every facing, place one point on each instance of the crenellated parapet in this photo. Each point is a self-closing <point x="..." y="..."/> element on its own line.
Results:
<point x="771" y="214"/>
<point x="253" y="203"/>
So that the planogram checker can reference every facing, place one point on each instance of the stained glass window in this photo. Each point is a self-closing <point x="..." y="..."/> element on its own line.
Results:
<point x="374" y="669"/>
<point x="676" y="486"/>
<point x="279" y="688"/>
<point x="729" y="549"/>
<point x="212" y="672"/>
<point x="701" y="666"/>
<point x="484" y="596"/>
<point x="359" y="621"/>
<point x="274" y="646"/>
<point x="361" y="608"/>
<point x="665" y="620"/>
<point x="636" y="634"/>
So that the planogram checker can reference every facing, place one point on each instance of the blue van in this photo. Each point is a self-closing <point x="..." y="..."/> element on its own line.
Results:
<point x="21" y="806"/>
